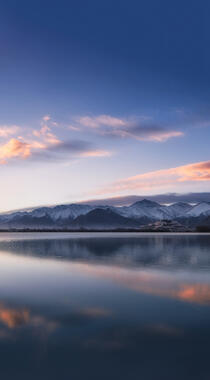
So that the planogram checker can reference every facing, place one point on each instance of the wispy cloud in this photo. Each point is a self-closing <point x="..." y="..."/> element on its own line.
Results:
<point x="96" y="153"/>
<point x="46" y="118"/>
<point x="145" y="133"/>
<point x="126" y="200"/>
<point x="43" y="144"/>
<point x="46" y="134"/>
<point x="8" y="130"/>
<point x="52" y="151"/>
<point x="141" y="129"/>
<point x="197" y="172"/>
<point x="69" y="150"/>
<point x="98" y="121"/>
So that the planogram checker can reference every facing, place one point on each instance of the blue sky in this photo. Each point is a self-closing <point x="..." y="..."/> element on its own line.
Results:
<point x="103" y="98"/>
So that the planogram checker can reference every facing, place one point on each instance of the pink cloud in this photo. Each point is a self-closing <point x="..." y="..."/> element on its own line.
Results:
<point x="6" y="130"/>
<point x="51" y="149"/>
<point x="46" y="118"/>
<point x="43" y="144"/>
<point x="96" y="153"/>
<point x="161" y="178"/>
<point x="14" y="148"/>
<point x="46" y="134"/>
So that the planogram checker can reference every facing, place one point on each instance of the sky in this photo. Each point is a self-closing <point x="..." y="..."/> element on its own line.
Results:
<point x="103" y="99"/>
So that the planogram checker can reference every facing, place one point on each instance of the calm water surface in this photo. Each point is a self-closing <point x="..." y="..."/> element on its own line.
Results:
<point x="104" y="306"/>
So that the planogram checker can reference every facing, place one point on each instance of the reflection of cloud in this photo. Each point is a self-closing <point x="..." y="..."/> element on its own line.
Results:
<point x="104" y="344"/>
<point x="83" y="316"/>
<point x="5" y="334"/>
<point x="153" y="282"/>
<point x="39" y="321"/>
<point x="130" y="336"/>
<point x="198" y="293"/>
<point x="96" y="312"/>
<point x="13" y="318"/>
<point x="197" y="172"/>
<point x="17" y="317"/>
<point x="163" y="329"/>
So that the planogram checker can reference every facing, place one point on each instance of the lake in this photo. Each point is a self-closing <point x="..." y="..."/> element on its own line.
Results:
<point x="104" y="306"/>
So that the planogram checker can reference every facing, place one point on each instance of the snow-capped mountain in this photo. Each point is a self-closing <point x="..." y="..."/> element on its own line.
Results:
<point x="199" y="209"/>
<point x="178" y="209"/>
<point x="76" y="216"/>
<point x="145" y="208"/>
<point x="62" y="212"/>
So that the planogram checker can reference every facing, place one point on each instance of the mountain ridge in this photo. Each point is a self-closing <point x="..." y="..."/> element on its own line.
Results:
<point x="81" y="216"/>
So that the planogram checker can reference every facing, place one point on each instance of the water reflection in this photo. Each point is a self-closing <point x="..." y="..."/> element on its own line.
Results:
<point x="182" y="286"/>
<point x="95" y="307"/>
<point x="169" y="250"/>
<point x="12" y="317"/>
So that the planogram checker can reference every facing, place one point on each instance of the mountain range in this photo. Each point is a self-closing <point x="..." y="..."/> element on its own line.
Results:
<point x="137" y="216"/>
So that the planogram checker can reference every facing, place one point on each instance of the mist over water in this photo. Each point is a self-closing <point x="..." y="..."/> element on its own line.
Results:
<point x="105" y="306"/>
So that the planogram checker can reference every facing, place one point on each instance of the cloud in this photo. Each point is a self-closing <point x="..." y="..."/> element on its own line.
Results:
<point x="98" y="121"/>
<point x="145" y="133"/>
<point x="52" y="149"/>
<point x="79" y="149"/>
<point x="46" y="118"/>
<point x="73" y="128"/>
<point x="68" y="150"/>
<point x="6" y="130"/>
<point x="197" y="172"/>
<point x="14" y="148"/>
<point x="126" y="200"/>
<point x="12" y="317"/>
<point x="96" y="312"/>
<point x="44" y="145"/>
<point x="46" y="134"/>
<point x="140" y="129"/>
<point x="96" y="153"/>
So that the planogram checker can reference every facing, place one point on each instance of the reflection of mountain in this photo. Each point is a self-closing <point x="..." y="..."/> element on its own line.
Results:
<point x="191" y="251"/>
<point x="86" y="217"/>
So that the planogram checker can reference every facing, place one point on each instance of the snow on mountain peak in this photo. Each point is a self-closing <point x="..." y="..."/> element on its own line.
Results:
<point x="179" y="209"/>
<point x="145" y="210"/>
<point x="200" y="208"/>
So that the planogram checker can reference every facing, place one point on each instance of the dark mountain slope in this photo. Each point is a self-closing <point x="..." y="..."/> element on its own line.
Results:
<point x="103" y="219"/>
